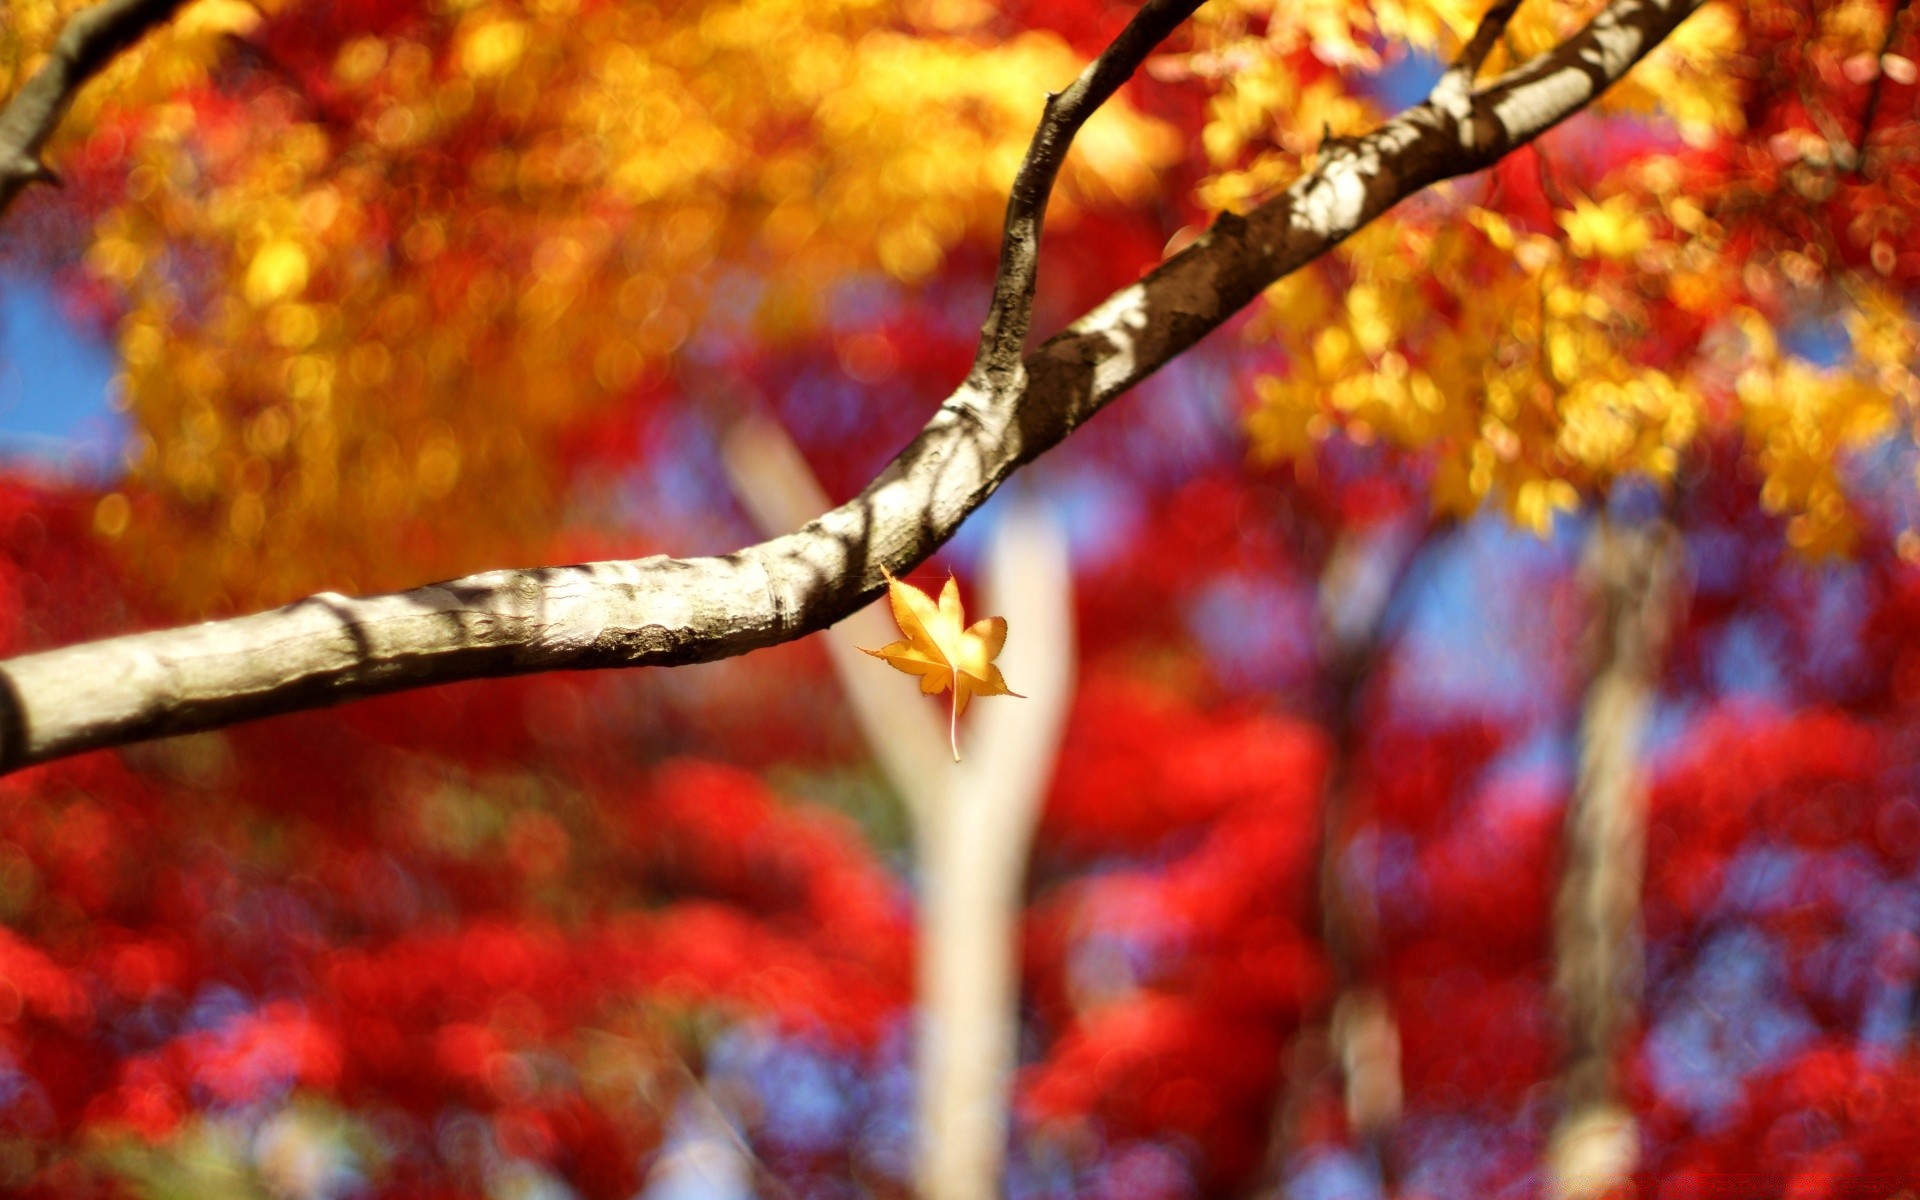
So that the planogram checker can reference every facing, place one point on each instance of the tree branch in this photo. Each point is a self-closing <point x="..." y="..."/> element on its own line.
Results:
<point x="663" y="611"/>
<point x="1454" y="93"/>
<point x="997" y="366"/>
<point x="88" y="43"/>
<point x="1492" y="25"/>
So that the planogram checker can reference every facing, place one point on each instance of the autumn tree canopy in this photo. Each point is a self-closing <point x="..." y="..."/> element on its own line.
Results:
<point x="1417" y="297"/>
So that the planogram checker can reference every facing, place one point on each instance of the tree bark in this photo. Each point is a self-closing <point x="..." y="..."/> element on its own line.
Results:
<point x="1633" y="577"/>
<point x="664" y="611"/>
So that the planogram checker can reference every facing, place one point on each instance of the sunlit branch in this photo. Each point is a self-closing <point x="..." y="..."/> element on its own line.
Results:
<point x="89" y="42"/>
<point x="1492" y="25"/>
<point x="664" y="611"/>
<point x="997" y="364"/>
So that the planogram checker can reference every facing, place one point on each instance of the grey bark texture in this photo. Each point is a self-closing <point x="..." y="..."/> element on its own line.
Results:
<point x="664" y="611"/>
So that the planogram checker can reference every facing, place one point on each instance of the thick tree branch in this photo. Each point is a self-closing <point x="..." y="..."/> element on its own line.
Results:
<point x="88" y="43"/>
<point x="663" y="611"/>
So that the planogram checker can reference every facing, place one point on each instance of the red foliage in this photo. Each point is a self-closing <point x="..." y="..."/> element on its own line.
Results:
<point x="1140" y="764"/>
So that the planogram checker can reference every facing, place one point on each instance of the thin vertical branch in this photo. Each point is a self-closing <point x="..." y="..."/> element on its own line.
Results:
<point x="1455" y="89"/>
<point x="998" y="364"/>
<point x="1493" y="24"/>
<point x="1354" y="1042"/>
<point x="1634" y="578"/>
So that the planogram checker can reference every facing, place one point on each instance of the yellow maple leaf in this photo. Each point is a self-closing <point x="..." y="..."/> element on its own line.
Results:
<point x="944" y="651"/>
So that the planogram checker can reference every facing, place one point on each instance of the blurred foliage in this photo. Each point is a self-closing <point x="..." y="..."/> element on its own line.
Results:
<point x="406" y="289"/>
<point x="386" y="280"/>
<point x="1588" y="310"/>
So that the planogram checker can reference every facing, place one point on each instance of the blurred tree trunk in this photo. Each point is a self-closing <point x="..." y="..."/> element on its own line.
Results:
<point x="973" y="820"/>
<point x="974" y="843"/>
<point x="1354" y="1044"/>
<point x="1632" y="576"/>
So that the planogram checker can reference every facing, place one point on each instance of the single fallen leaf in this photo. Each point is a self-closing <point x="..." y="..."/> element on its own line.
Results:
<point x="943" y="651"/>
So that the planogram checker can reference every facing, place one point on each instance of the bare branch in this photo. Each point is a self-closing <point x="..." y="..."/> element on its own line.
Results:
<point x="997" y="364"/>
<point x="88" y="43"/>
<point x="663" y="611"/>
<point x="1492" y="25"/>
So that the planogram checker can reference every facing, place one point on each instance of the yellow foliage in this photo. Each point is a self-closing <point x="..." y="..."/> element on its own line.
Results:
<point x="1511" y="359"/>
<point x="1528" y="365"/>
<point x="278" y="270"/>
<point x="492" y="48"/>
<point x="943" y="650"/>
<point x="1801" y="420"/>
<point x="1613" y="229"/>
<point x="1521" y="392"/>
<point x="353" y="339"/>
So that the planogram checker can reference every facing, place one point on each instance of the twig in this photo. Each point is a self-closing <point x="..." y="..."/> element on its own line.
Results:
<point x="997" y="365"/>
<point x="90" y="40"/>
<point x="1492" y="25"/>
